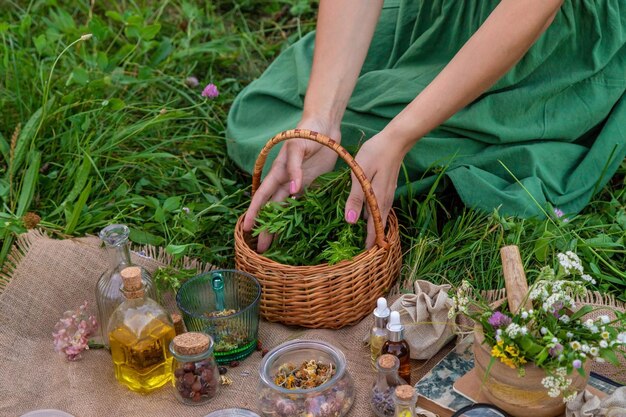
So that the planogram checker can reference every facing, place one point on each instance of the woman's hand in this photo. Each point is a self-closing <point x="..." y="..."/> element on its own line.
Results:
<point x="298" y="163"/>
<point x="381" y="158"/>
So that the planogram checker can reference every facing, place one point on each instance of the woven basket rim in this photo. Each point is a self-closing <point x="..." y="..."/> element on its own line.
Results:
<point x="374" y="250"/>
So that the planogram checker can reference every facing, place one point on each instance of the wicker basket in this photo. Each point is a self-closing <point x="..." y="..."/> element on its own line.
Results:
<point x="323" y="296"/>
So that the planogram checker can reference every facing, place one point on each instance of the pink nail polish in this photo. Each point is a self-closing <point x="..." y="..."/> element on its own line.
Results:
<point x="292" y="187"/>
<point x="351" y="216"/>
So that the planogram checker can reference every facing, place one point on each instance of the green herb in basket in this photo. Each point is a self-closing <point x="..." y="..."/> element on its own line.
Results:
<point x="311" y="229"/>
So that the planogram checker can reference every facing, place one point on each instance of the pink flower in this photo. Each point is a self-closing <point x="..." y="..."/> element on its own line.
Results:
<point x="72" y="331"/>
<point x="210" y="91"/>
<point x="498" y="319"/>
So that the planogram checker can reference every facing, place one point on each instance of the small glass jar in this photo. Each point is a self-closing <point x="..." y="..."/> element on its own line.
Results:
<point x="387" y="379"/>
<point x="333" y="398"/>
<point x="404" y="398"/>
<point x="196" y="378"/>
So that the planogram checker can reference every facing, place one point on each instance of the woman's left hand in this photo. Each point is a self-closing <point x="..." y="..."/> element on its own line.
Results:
<point x="381" y="160"/>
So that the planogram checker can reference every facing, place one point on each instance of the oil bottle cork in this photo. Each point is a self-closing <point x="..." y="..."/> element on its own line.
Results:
<point x="179" y="324"/>
<point x="133" y="285"/>
<point x="191" y="343"/>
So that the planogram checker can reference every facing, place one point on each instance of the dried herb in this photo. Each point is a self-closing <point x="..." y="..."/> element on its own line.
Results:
<point x="309" y="375"/>
<point x="311" y="230"/>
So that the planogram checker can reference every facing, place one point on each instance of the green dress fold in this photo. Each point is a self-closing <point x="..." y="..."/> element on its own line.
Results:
<point x="551" y="131"/>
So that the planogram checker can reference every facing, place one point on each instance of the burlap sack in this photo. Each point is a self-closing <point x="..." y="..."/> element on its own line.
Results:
<point x="425" y="318"/>
<point x="45" y="277"/>
<point x="589" y="405"/>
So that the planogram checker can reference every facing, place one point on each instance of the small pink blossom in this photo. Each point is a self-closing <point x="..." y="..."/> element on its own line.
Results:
<point x="72" y="331"/>
<point x="210" y="91"/>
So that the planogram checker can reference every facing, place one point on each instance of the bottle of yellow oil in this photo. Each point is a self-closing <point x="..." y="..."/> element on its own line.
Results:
<point x="140" y="333"/>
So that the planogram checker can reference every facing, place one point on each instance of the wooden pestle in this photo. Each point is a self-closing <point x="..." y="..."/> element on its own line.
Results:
<point x="514" y="278"/>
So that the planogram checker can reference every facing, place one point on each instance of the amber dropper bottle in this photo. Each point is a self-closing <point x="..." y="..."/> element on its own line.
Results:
<point x="397" y="346"/>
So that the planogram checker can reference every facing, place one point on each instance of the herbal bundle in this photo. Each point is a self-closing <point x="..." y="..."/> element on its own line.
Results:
<point x="311" y="229"/>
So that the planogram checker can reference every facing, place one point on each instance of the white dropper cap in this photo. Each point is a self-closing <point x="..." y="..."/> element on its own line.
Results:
<point x="394" y="324"/>
<point x="382" y="310"/>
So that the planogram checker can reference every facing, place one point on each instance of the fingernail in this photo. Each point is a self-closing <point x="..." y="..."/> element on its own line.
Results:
<point x="351" y="216"/>
<point x="292" y="187"/>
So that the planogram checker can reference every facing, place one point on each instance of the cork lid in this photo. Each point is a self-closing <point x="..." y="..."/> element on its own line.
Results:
<point x="133" y="285"/>
<point x="191" y="343"/>
<point x="387" y="361"/>
<point x="404" y="392"/>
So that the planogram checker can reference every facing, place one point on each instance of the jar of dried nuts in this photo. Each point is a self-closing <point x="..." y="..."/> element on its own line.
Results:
<point x="196" y="378"/>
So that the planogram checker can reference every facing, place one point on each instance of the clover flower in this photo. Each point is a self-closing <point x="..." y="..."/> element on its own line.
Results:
<point x="192" y="82"/>
<point x="498" y="319"/>
<point x="210" y="91"/>
<point x="72" y="332"/>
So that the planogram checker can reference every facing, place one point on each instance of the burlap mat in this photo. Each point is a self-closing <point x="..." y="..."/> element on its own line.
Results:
<point x="50" y="276"/>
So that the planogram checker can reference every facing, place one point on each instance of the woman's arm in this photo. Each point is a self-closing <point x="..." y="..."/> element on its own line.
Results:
<point x="494" y="49"/>
<point x="501" y="41"/>
<point x="344" y="32"/>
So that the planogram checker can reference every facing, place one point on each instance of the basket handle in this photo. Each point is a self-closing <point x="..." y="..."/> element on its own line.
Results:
<point x="370" y="199"/>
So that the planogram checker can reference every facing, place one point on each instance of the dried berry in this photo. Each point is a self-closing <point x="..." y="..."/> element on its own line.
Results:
<point x="264" y="352"/>
<point x="222" y="370"/>
<point x="259" y="345"/>
<point x="234" y="364"/>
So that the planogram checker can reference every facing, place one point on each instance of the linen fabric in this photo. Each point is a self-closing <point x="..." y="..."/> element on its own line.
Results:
<point x="550" y="132"/>
<point x="47" y="277"/>
<point x="424" y="315"/>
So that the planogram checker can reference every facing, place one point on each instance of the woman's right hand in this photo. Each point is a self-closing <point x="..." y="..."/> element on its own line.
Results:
<point x="299" y="162"/>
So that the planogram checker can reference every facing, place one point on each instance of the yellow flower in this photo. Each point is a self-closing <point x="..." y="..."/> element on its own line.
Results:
<point x="511" y="350"/>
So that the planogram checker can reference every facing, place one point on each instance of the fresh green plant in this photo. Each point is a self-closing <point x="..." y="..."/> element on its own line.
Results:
<point x="311" y="230"/>
<point x="115" y="129"/>
<point x="554" y="334"/>
<point x="449" y="243"/>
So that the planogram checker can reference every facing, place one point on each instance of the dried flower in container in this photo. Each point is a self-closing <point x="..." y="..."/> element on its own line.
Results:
<point x="72" y="332"/>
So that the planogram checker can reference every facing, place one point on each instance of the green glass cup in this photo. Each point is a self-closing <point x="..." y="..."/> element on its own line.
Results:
<point x="225" y="304"/>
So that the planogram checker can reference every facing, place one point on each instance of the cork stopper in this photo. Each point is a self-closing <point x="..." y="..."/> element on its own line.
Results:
<point x="387" y="361"/>
<point x="404" y="392"/>
<point x="133" y="286"/>
<point x="191" y="343"/>
<point x="179" y="325"/>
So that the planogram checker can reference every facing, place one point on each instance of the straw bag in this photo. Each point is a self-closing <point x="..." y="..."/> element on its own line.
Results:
<point x="322" y="296"/>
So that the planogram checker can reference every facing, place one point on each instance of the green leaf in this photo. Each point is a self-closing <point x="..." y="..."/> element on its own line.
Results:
<point x="602" y="241"/>
<point x="150" y="31"/>
<point x="26" y="137"/>
<point x="102" y="61"/>
<point x="586" y="309"/>
<point x="171" y="204"/>
<point x="78" y="208"/>
<point x="79" y="75"/>
<point x="114" y="16"/>
<point x="143" y="237"/>
<point x="164" y="50"/>
<point x="29" y="184"/>
<point x="5" y="149"/>
<point x="609" y="355"/>
<point x="542" y="246"/>
<point x="40" y="43"/>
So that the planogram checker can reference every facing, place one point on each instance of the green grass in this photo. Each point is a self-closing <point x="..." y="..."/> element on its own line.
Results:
<point x="110" y="131"/>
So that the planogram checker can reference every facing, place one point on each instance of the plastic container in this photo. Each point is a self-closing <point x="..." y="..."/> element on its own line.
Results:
<point x="195" y="375"/>
<point x="225" y="305"/>
<point x="334" y="398"/>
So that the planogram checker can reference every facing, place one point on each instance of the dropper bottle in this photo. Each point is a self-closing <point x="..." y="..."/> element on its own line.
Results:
<point x="378" y="334"/>
<point x="397" y="346"/>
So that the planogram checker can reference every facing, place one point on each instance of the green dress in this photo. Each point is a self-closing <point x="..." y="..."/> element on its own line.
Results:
<point x="551" y="131"/>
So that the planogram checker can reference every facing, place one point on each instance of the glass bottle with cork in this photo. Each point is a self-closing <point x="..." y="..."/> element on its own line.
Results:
<point x="378" y="334"/>
<point x="397" y="346"/>
<point x="195" y="372"/>
<point x="140" y="332"/>
<point x="404" y="398"/>
<point x="387" y="379"/>
<point x="108" y="294"/>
